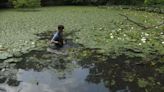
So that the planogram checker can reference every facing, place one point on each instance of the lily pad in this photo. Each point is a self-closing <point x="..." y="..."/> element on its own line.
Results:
<point x="142" y="83"/>
<point x="13" y="60"/>
<point x="17" y="54"/>
<point x="5" y="55"/>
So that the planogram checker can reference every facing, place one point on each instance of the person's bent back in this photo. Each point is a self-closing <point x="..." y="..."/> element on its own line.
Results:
<point x="58" y="37"/>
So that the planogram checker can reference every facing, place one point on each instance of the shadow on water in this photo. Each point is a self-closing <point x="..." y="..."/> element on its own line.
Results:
<point x="81" y="70"/>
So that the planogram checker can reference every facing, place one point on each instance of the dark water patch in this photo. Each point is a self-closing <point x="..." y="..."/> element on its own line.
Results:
<point x="13" y="82"/>
<point x="121" y="72"/>
<point x="2" y="79"/>
<point x="33" y="60"/>
<point x="45" y="35"/>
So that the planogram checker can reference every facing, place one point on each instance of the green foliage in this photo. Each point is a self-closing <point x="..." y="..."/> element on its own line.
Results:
<point x="96" y="2"/>
<point x="152" y="2"/>
<point x="142" y="83"/>
<point x="160" y="69"/>
<point x="26" y="3"/>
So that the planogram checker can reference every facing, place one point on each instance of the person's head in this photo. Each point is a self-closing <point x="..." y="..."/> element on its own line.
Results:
<point x="60" y="28"/>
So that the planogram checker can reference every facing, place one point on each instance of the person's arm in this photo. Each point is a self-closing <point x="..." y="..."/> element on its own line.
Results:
<point x="52" y="40"/>
<point x="63" y="39"/>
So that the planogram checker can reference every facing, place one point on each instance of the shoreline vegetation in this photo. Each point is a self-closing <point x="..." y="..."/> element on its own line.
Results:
<point x="153" y="8"/>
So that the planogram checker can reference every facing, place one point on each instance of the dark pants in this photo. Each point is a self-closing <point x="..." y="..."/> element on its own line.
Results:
<point x="58" y="46"/>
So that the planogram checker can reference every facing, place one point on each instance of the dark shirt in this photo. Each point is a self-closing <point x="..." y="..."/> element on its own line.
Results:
<point x="58" y="37"/>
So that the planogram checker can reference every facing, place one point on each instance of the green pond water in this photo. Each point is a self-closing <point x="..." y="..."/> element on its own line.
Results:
<point x="103" y="51"/>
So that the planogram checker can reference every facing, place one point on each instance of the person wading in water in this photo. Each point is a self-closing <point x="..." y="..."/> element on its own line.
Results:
<point x="57" y="38"/>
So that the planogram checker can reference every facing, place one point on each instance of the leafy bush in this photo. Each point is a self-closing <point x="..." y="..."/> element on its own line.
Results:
<point x="95" y="2"/>
<point x="151" y="2"/>
<point x="26" y="3"/>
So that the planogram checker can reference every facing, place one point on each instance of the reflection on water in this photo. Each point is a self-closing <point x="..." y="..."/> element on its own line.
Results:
<point x="40" y="71"/>
<point x="48" y="80"/>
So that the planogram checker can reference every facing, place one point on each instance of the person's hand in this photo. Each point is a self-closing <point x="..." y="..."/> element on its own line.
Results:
<point x="64" y="42"/>
<point x="49" y="42"/>
<point x="56" y="42"/>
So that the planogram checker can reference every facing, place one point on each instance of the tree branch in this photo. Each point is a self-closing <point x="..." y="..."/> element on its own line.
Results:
<point x="140" y="24"/>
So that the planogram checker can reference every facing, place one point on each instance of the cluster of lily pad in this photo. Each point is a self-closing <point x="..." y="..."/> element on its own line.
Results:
<point x="94" y="27"/>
